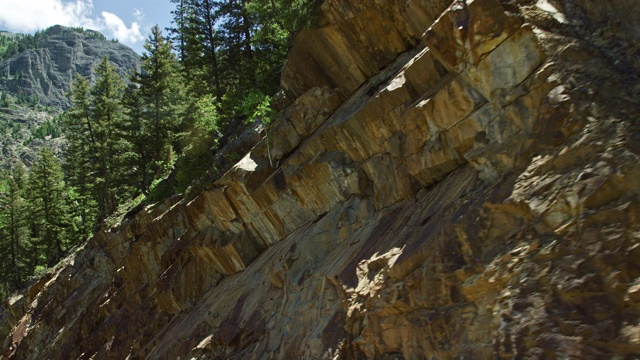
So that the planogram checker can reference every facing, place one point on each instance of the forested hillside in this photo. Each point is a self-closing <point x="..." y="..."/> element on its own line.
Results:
<point x="36" y="73"/>
<point x="137" y="138"/>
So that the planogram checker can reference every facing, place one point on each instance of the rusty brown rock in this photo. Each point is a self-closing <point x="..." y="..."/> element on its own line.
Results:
<point x="477" y="198"/>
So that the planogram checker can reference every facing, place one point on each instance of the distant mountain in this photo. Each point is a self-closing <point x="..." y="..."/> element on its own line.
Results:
<point x="42" y="71"/>
<point x="36" y="73"/>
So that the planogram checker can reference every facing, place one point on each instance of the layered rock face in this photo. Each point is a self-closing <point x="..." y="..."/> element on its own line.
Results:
<point x="448" y="181"/>
<point x="47" y="72"/>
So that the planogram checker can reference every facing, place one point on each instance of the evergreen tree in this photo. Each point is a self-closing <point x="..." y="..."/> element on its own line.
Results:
<point x="238" y="46"/>
<point x="106" y="117"/>
<point x="4" y="99"/>
<point x="48" y="209"/>
<point x="80" y="156"/>
<point x="178" y="33"/>
<point x="136" y="135"/>
<point x="275" y="25"/>
<point x="198" y="40"/>
<point x="207" y="45"/>
<point x="161" y="96"/>
<point x="14" y="244"/>
<point x="198" y="156"/>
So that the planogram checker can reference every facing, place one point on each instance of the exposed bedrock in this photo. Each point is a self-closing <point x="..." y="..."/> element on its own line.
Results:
<point x="447" y="181"/>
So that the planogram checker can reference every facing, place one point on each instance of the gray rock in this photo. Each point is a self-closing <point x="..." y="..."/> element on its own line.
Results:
<point x="47" y="72"/>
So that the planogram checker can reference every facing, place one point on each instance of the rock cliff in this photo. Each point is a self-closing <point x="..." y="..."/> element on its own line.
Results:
<point x="46" y="72"/>
<point x="40" y="79"/>
<point x="448" y="180"/>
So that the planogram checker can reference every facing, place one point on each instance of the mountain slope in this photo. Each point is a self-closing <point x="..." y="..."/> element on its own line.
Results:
<point x="35" y="80"/>
<point x="464" y="183"/>
<point x="46" y="72"/>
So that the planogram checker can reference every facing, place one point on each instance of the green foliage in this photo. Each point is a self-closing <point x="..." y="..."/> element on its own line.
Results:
<point x="79" y="154"/>
<point x="257" y="107"/>
<point x="36" y="220"/>
<point x="153" y="124"/>
<point x="92" y="127"/>
<point x="77" y="29"/>
<point x="235" y="49"/>
<point x="201" y="140"/>
<point x="122" y="138"/>
<point x="159" y="190"/>
<point x="39" y="271"/>
<point x="50" y="128"/>
<point x="161" y="94"/>
<point x="4" y="100"/>
<point x="14" y="235"/>
<point x="106" y="116"/>
<point x="48" y="207"/>
<point x="89" y="34"/>
<point x="17" y="43"/>
<point x="136" y="138"/>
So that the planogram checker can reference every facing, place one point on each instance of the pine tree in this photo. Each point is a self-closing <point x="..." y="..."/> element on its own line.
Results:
<point x="106" y="117"/>
<point x="48" y="211"/>
<point x="14" y="244"/>
<point x="198" y="159"/>
<point x="198" y="39"/>
<point x="206" y="16"/>
<point x="160" y="90"/>
<point x="80" y="156"/>
<point x="237" y="44"/>
<point x="178" y="34"/>
<point x="136" y="135"/>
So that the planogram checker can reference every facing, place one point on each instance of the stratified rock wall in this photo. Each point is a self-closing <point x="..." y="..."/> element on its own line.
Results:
<point x="448" y="180"/>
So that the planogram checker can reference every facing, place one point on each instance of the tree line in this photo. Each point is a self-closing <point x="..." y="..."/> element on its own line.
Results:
<point x="17" y="43"/>
<point x="220" y="63"/>
<point x="13" y="44"/>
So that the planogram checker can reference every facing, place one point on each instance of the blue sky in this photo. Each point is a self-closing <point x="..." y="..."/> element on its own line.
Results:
<point x="129" y="21"/>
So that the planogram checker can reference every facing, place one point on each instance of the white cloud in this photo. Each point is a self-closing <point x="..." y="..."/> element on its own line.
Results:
<point x="30" y="15"/>
<point x="119" y="29"/>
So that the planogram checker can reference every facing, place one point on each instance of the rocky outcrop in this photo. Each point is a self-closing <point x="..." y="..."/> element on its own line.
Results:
<point x="47" y="72"/>
<point x="469" y="190"/>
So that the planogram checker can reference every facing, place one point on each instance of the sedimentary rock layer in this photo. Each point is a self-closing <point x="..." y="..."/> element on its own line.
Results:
<point x="448" y="180"/>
